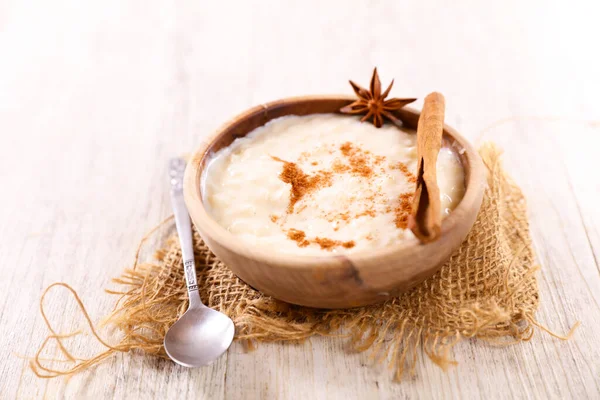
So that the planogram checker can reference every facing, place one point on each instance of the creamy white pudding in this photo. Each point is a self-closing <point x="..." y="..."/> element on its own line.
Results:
<point x="322" y="184"/>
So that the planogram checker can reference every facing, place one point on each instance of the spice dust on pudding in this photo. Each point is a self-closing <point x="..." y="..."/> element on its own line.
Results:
<point x="322" y="184"/>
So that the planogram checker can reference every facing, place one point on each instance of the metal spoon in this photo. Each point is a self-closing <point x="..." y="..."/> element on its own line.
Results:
<point x="202" y="334"/>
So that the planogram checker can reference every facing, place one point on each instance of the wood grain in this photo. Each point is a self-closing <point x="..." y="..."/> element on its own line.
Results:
<point x="96" y="96"/>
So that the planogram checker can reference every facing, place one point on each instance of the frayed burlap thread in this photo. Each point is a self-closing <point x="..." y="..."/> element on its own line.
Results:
<point x="487" y="290"/>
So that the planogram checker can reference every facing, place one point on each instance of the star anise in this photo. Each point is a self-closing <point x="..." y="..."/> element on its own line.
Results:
<point x="373" y="102"/>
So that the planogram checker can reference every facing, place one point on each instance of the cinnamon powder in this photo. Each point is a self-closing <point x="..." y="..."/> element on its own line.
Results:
<point x="329" y="244"/>
<point x="339" y="168"/>
<point x="298" y="236"/>
<point x="355" y="161"/>
<point x="326" y="244"/>
<point x="405" y="171"/>
<point x="301" y="182"/>
<point x="403" y="210"/>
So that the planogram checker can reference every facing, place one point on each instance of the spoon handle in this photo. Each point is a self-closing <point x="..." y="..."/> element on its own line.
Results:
<point x="184" y="229"/>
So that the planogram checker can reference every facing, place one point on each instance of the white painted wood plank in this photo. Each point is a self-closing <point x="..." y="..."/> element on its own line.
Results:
<point x="95" y="97"/>
<point x="569" y="281"/>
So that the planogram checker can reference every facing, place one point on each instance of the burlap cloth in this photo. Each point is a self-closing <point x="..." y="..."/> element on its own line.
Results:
<point x="486" y="290"/>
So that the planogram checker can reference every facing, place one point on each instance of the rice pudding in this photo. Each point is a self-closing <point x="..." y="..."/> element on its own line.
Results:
<point x="322" y="184"/>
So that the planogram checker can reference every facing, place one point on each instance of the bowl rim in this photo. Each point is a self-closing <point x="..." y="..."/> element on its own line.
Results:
<point x="192" y="192"/>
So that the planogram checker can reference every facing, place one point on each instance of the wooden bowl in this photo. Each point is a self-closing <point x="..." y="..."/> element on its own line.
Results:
<point x="336" y="281"/>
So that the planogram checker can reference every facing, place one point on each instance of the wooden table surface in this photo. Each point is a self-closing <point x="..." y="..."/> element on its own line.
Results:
<point x="95" y="96"/>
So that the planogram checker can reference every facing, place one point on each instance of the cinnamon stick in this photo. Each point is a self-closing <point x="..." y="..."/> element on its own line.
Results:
<point x="425" y="220"/>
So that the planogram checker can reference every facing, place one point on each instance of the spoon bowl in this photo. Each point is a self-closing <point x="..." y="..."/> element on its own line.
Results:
<point x="199" y="337"/>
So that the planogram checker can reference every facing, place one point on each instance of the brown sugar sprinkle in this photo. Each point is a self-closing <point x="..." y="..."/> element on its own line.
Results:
<point x="405" y="171"/>
<point x="403" y="210"/>
<point x="326" y="244"/>
<point x="274" y="218"/>
<point x="301" y="182"/>
<point x="314" y="163"/>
